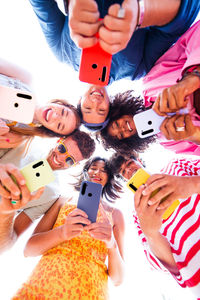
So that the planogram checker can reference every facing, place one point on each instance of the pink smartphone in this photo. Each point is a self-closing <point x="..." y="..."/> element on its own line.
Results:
<point x="95" y="65"/>
<point x="16" y="105"/>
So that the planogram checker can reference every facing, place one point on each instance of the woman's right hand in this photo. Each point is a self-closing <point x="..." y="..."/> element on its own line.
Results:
<point x="74" y="224"/>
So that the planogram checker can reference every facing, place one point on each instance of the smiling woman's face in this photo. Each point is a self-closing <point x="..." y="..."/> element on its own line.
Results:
<point x="95" y="104"/>
<point x="58" y="118"/>
<point x="97" y="172"/>
<point x="122" y="128"/>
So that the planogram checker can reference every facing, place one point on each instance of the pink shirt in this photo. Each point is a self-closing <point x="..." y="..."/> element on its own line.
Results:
<point x="165" y="73"/>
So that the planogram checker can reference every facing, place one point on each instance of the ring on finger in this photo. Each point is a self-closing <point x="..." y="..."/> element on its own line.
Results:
<point x="181" y="128"/>
<point x="14" y="201"/>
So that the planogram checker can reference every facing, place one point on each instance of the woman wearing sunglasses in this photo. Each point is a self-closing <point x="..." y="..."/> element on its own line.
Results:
<point x="73" y="263"/>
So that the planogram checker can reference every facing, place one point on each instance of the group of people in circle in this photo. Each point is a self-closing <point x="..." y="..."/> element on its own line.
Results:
<point x="152" y="40"/>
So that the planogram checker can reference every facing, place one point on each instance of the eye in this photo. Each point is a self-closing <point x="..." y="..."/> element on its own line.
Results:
<point x="69" y="161"/>
<point x="63" y="110"/>
<point x="59" y="124"/>
<point x="61" y="148"/>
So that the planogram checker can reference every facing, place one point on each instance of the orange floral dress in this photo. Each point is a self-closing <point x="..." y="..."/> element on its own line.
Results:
<point x="74" y="269"/>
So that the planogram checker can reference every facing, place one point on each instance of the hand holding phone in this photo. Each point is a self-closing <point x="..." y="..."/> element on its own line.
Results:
<point x="139" y="178"/>
<point x="89" y="199"/>
<point x="95" y="65"/>
<point x="148" y="122"/>
<point x="37" y="174"/>
<point x="16" y="105"/>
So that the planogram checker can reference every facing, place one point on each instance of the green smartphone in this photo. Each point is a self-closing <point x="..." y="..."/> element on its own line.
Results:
<point x="37" y="174"/>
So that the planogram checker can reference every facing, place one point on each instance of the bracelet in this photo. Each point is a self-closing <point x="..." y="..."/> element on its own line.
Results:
<point x="141" y="11"/>
<point x="193" y="70"/>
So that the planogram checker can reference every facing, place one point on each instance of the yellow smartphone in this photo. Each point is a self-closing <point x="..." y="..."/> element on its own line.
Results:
<point x="139" y="178"/>
<point x="37" y="174"/>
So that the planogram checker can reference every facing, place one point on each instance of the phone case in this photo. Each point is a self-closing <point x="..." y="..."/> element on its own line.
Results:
<point x="37" y="174"/>
<point x="89" y="199"/>
<point x="148" y="122"/>
<point x="139" y="178"/>
<point x="17" y="105"/>
<point x="95" y="65"/>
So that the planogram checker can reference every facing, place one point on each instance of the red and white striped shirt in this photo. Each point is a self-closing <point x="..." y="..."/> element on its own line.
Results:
<point x="182" y="230"/>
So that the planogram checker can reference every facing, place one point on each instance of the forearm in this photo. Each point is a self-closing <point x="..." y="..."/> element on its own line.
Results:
<point x="12" y="70"/>
<point x="162" y="250"/>
<point x="115" y="265"/>
<point x="41" y="242"/>
<point x="160" y="12"/>
<point x="7" y="233"/>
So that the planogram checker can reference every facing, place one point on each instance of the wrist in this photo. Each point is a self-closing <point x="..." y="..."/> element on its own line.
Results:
<point x="141" y="10"/>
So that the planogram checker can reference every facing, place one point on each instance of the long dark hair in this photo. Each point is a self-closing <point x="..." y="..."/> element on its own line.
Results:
<point x="112" y="187"/>
<point x="125" y="104"/>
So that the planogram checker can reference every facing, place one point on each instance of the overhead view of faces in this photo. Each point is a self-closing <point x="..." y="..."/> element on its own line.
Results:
<point x="100" y="147"/>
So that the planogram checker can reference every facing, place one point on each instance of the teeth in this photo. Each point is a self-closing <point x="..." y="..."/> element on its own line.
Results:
<point x="47" y="115"/>
<point x="129" y="127"/>
<point x="55" y="161"/>
<point x="96" y="93"/>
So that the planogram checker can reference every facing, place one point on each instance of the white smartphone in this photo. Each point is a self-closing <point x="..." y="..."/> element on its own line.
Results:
<point x="37" y="174"/>
<point x="17" y="105"/>
<point x="148" y="122"/>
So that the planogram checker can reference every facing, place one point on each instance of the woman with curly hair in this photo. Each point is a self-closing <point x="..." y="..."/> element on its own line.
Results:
<point x="120" y="134"/>
<point x="74" y="249"/>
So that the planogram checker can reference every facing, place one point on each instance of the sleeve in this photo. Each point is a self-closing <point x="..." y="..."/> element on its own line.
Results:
<point x="152" y="259"/>
<point x="182" y="167"/>
<point x="52" y="22"/>
<point x="36" y="212"/>
<point x="160" y="38"/>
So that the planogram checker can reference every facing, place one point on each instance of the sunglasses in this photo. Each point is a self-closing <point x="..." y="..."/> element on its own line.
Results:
<point x="62" y="149"/>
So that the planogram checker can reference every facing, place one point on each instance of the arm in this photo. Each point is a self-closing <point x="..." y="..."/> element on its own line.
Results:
<point x="171" y="188"/>
<point x="150" y="221"/>
<point x="52" y="22"/>
<point x="12" y="70"/>
<point x="116" y="253"/>
<point x="113" y="238"/>
<point x="45" y="238"/>
<point x="8" y="229"/>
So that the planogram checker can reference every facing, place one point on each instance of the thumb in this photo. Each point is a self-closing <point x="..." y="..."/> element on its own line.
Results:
<point x="38" y="193"/>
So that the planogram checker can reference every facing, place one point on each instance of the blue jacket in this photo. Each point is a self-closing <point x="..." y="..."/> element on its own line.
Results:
<point x="144" y="48"/>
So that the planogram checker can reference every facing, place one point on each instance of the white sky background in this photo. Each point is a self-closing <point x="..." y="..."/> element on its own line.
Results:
<point x="22" y="42"/>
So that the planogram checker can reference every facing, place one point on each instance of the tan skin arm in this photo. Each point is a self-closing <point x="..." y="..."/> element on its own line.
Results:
<point x="116" y="253"/>
<point x="12" y="70"/>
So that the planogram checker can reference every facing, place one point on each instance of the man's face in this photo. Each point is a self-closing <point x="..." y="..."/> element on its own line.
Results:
<point x="129" y="167"/>
<point x="70" y="154"/>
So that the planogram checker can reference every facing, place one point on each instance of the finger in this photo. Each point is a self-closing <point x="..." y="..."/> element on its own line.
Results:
<point x="138" y="195"/>
<point x="163" y="104"/>
<point x="190" y="128"/>
<point x="38" y="193"/>
<point x="11" y="169"/>
<point x="78" y="219"/>
<point x="156" y="107"/>
<point x="4" y="192"/>
<point x="149" y="187"/>
<point x="167" y="202"/>
<point x="112" y="49"/>
<point x="8" y="183"/>
<point x="164" y="128"/>
<point x="85" y="16"/>
<point x="84" y="42"/>
<point x="83" y="28"/>
<point x="78" y="212"/>
<point x="160" y="196"/>
<point x="172" y="101"/>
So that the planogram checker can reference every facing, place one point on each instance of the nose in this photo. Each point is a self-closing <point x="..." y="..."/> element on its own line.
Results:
<point x="55" y="115"/>
<point x="96" y="171"/>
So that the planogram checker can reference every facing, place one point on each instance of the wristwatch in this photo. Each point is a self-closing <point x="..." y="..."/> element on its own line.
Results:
<point x="192" y="70"/>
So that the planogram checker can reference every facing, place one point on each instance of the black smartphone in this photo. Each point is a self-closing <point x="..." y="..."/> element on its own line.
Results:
<point x="89" y="199"/>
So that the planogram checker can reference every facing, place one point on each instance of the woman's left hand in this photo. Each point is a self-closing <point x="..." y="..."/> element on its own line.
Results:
<point x="180" y="127"/>
<point x="102" y="230"/>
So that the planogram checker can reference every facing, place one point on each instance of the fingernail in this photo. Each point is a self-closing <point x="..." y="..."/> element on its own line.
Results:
<point x="150" y="202"/>
<point x="121" y="13"/>
<point x="8" y="140"/>
<point x="22" y="182"/>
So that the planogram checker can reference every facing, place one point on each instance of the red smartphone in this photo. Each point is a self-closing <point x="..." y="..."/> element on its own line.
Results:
<point x="95" y="65"/>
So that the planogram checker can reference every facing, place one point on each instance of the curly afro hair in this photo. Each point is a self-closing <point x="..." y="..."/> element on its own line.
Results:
<point x="125" y="104"/>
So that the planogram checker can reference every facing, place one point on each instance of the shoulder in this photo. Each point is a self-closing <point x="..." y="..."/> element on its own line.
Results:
<point x="118" y="218"/>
